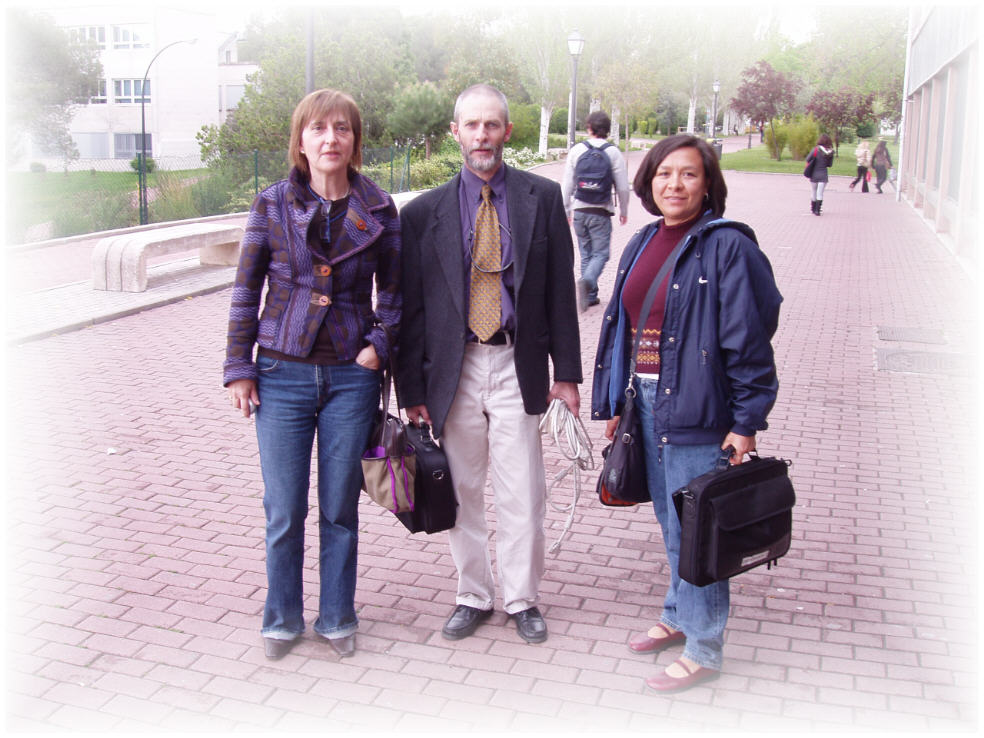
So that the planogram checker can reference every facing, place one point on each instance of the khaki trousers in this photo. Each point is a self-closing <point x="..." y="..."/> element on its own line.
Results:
<point x="487" y="427"/>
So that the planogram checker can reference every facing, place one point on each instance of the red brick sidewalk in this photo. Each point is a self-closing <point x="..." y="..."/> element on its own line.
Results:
<point x="136" y="569"/>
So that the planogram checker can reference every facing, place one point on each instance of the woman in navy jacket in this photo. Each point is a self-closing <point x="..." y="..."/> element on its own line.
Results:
<point x="317" y="241"/>
<point x="705" y="377"/>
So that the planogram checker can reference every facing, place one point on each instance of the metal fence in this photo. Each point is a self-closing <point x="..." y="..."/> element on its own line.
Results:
<point x="89" y="195"/>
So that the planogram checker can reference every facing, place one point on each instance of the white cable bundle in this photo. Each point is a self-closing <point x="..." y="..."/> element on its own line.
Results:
<point x="569" y="434"/>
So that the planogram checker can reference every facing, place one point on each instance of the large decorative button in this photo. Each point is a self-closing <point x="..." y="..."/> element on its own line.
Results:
<point x="322" y="300"/>
<point x="361" y="225"/>
<point x="322" y="270"/>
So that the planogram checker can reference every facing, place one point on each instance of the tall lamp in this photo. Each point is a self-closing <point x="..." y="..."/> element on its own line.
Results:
<point x="142" y="171"/>
<point x="575" y="44"/>
<point x="714" y="109"/>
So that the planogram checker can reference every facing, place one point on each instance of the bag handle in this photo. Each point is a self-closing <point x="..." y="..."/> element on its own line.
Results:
<point x="389" y="371"/>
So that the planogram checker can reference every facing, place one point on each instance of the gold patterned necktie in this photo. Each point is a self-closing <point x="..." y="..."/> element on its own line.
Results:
<point x="485" y="300"/>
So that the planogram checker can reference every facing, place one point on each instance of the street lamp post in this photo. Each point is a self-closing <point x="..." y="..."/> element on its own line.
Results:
<point x="142" y="170"/>
<point x="575" y="44"/>
<point x="714" y="109"/>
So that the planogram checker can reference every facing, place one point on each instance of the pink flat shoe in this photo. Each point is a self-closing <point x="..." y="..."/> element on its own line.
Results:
<point x="653" y="642"/>
<point x="666" y="683"/>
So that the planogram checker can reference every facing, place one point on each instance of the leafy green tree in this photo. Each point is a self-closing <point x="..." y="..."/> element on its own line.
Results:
<point x="421" y="113"/>
<point x="525" y="118"/>
<point x="539" y="43"/>
<point x="48" y="74"/>
<point x="344" y="40"/>
<point x="764" y="96"/>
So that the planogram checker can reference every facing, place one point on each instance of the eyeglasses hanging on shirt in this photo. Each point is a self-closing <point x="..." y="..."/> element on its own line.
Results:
<point x="471" y="251"/>
<point x="327" y="218"/>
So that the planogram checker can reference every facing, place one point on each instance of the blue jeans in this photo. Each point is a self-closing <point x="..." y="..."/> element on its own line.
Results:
<point x="700" y="612"/>
<point x="594" y="236"/>
<point x="297" y="400"/>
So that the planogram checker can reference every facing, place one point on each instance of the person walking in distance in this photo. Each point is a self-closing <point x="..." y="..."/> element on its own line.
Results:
<point x="862" y="155"/>
<point x="594" y="167"/>
<point x="823" y="156"/>
<point x="882" y="161"/>
<point x="488" y="286"/>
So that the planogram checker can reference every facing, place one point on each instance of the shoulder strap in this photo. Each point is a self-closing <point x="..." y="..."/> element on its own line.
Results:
<point x="647" y="303"/>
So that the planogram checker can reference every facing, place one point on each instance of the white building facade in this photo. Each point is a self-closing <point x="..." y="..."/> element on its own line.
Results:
<point x="193" y="79"/>
<point x="939" y="172"/>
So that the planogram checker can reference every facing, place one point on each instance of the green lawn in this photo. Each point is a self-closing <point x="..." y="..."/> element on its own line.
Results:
<point x="75" y="202"/>
<point x="757" y="159"/>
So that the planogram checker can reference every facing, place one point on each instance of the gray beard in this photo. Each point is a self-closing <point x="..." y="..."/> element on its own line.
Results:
<point x="484" y="165"/>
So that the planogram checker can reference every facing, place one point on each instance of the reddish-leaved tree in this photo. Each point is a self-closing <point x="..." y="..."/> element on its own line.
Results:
<point x="835" y="110"/>
<point x="764" y="95"/>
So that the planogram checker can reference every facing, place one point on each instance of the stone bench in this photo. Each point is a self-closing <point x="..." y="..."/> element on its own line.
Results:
<point x="119" y="263"/>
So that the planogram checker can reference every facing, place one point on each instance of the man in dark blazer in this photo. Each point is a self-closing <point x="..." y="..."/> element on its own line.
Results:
<point x="484" y="396"/>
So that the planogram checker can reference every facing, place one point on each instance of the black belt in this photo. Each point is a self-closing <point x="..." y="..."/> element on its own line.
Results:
<point x="499" y="338"/>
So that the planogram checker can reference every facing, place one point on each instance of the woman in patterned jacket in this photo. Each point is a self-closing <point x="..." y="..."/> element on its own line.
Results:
<point x="317" y="240"/>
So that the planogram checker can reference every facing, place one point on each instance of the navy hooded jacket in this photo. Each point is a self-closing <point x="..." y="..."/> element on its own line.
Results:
<point x="717" y="367"/>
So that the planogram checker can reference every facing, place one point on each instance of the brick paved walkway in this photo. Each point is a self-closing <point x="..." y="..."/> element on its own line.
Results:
<point x="135" y="532"/>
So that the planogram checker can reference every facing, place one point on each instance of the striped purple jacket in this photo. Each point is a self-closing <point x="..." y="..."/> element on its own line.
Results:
<point x="275" y="250"/>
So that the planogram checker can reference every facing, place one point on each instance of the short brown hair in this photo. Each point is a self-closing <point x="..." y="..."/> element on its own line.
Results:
<point x="717" y="190"/>
<point x="315" y="106"/>
<point x="599" y="123"/>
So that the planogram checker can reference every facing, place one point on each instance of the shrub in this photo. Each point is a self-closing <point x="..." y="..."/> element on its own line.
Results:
<point x="558" y="121"/>
<point x="653" y="126"/>
<point x="526" y="124"/>
<point x="866" y="130"/>
<point x="557" y="141"/>
<point x="432" y="172"/>
<point x="149" y="164"/>
<point x="776" y="141"/>
<point x="38" y="167"/>
<point x="520" y="158"/>
<point x="642" y="127"/>
<point x="96" y="211"/>
<point x="802" y="134"/>
<point x="169" y="198"/>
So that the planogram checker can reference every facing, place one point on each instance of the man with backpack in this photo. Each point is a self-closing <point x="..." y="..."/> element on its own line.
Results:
<point x="593" y="168"/>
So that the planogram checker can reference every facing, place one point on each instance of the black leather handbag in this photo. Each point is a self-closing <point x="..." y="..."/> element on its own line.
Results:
<point x="622" y="482"/>
<point x="734" y="518"/>
<point x="435" y="507"/>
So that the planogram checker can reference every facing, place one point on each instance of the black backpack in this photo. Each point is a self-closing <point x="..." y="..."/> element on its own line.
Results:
<point x="593" y="175"/>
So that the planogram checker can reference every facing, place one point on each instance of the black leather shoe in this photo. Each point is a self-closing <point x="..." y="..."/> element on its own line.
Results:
<point x="463" y="622"/>
<point x="345" y="646"/>
<point x="276" y="648"/>
<point x="530" y="625"/>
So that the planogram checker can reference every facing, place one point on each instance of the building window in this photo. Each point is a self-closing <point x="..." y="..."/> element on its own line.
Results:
<point x="92" y="145"/>
<point x="90" y="34"/>
<point x="127" y="145"/>
<point x="97" y="95"/>
<point x="959" y="117"/>
<point x="130" y="37"/>
<point x="129" y="91"/>
<point x="234" y="93"/>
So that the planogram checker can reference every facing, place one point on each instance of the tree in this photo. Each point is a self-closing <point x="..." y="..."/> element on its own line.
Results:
<point x="48" y="74"/>
<point x="841" y="109"/>
<point x="539" y="42"/>
<point x="765" y="95"/>
<point x="889" y="106"/>
<point x="261" y="121"/>
<point x="420" y="113"/>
